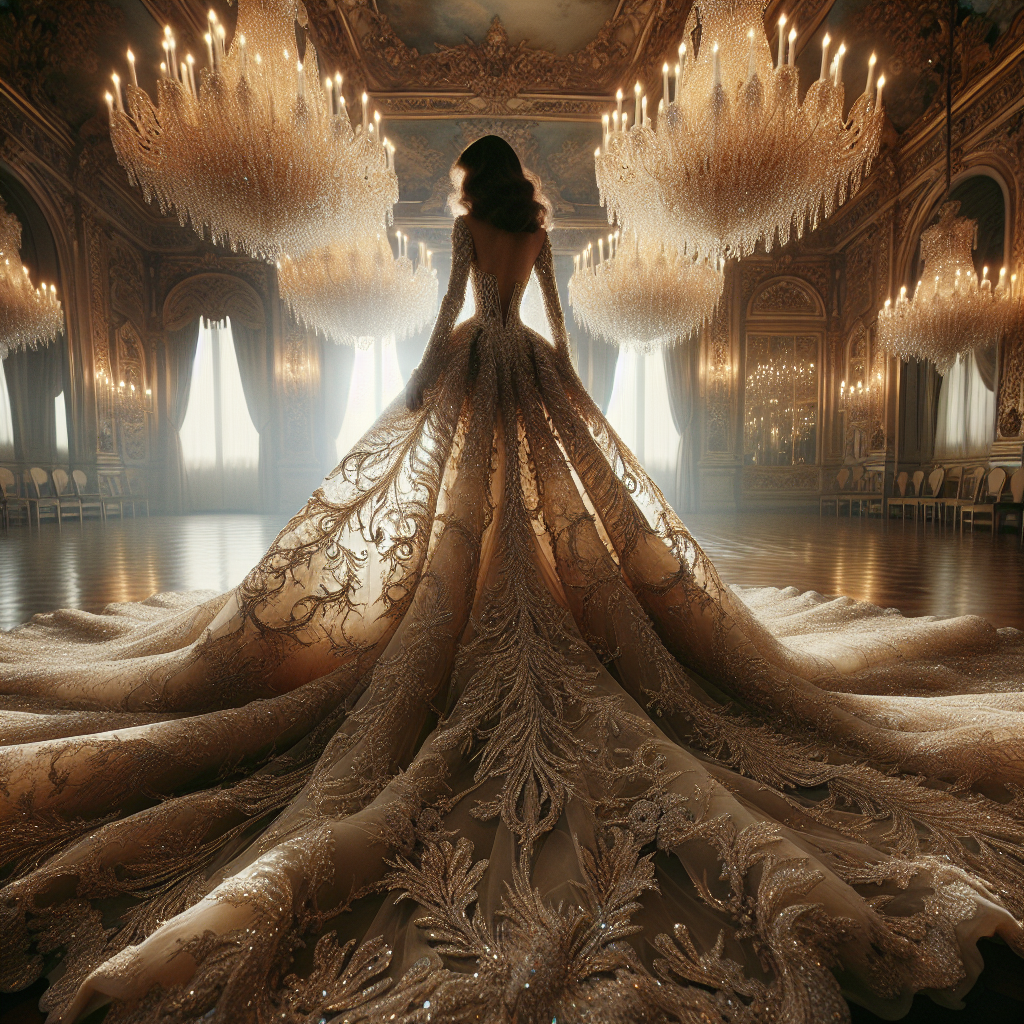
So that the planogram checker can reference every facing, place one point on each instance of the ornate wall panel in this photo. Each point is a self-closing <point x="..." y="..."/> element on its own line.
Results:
<point x="132" y="405"/>
<point x="216" y="297"/>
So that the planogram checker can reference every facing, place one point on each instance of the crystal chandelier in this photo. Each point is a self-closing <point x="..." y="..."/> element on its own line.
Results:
<point x="253" y="148"/>
<point x="951" y="312"/>
<point x="29" y="316"/>
<point x="354" y="292"/>
<point x="734" y="158"/>
<point x="643" y="294"/>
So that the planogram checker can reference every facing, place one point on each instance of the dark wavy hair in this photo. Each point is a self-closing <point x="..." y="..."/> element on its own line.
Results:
<point x="491" y="185"/>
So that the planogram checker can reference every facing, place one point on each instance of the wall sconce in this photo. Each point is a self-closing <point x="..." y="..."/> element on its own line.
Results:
<point x="719" y="381"/>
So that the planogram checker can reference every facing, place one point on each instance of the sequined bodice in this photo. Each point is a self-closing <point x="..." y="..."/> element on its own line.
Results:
<point x="488" y="299"/>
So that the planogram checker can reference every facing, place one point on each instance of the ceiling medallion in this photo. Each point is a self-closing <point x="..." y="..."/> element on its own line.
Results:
<point x="355" y="292"/>
<point x="643" y="295"/>
<point x="254" y="148"/>
<point x="951" y="312"/>
<point x="29" y="316"/>
<point x="733" y="158"/>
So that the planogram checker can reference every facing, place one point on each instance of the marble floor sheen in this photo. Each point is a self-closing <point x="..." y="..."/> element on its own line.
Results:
<point x="923" y="570"/>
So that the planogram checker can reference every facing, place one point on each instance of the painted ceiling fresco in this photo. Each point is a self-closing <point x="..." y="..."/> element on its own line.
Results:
<point x="560" y="26"/>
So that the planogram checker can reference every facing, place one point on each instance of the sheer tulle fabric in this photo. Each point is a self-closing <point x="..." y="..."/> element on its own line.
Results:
<point x="484" y="737"/>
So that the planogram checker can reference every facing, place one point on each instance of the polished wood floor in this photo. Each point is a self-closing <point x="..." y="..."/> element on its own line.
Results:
<point x="922" y="570"/>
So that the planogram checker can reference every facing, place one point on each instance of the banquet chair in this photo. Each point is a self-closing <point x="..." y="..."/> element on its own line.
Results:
<point x="915" y="487"/>
<point x="41" y="496"/>
<point x="111" y="495"/>
<point x="873" y="498"/>
<point x="842" y="479"/>
<point x="87" y="499"/>
<point x="134" y="491"/>
<point x="899" y="496"/>
<point x="69" y="502"/>
<point x="950" y="489"/>
<point x="986" y="507"/>
<point x="970" y="484"/>
<point x="932" y="494"/>
<point x="11" y="499"/>
<point x="1015" y="506"/>
<point x="851" y="495"/>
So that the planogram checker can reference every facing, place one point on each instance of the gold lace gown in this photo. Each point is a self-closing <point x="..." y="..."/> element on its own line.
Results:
<point x="483" y="737"/>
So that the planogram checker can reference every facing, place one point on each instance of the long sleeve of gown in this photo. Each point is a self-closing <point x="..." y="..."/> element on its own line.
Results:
<point x="437" y="351"/>
<point x="545" y="270"/>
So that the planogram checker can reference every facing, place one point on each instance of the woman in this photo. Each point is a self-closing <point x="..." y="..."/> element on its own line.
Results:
<point x="484" y="737"/>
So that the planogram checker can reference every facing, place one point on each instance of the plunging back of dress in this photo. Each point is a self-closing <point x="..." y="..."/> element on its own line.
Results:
<point x="503" y="262"/>
<point x="487" y="693"/>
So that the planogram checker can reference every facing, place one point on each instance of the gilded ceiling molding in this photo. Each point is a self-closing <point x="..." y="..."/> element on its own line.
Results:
<point x="494" y="77"/>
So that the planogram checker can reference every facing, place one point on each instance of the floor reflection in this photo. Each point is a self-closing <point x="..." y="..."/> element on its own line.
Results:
<point x="920" y="570"/>
<point x="91" y="565"/>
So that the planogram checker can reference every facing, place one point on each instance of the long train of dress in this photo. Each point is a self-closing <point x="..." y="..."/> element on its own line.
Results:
<point x="484" y="737"/>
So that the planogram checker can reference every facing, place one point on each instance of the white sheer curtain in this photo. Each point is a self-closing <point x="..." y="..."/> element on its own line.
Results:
<point x="376" y="380"/>
<point x="967" y="412"/>
<point x="640" y="413"/>
<point x="220" y="445"/>
<point x="6" y="423"/>
<point x="61" y="413"/>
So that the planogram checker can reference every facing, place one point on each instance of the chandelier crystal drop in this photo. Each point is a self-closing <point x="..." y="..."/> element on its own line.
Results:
<point x="733" y="158"/>
<point x="255" y="149"/>
<point x="951" y="312"/>
<point x="643" y="295"/>
<point x="355" y="292"/>
<point x="29" y="317"/>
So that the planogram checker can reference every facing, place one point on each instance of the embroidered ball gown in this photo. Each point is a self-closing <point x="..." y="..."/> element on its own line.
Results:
<point x="484" y="737"/>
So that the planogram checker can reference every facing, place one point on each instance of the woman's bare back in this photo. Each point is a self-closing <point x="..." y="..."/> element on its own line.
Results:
<point x="508" y="256"/>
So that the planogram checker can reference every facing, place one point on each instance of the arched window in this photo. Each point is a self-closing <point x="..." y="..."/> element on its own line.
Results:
<point x="639" y="411"/>
<point x="219" y="444"/>
<point x="376" y="380"/>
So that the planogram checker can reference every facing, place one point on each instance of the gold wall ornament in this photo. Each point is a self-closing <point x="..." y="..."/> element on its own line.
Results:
<point x="255" y="148"/>
<point x="29" y="317"/>
<point x="355" y="292"/>
<point x="643" y="294"/>
<point x="733" y="158"/>
<point x="951" y="312"/>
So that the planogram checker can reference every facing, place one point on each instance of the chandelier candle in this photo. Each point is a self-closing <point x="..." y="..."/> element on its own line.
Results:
<point x="253" y="153"/>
